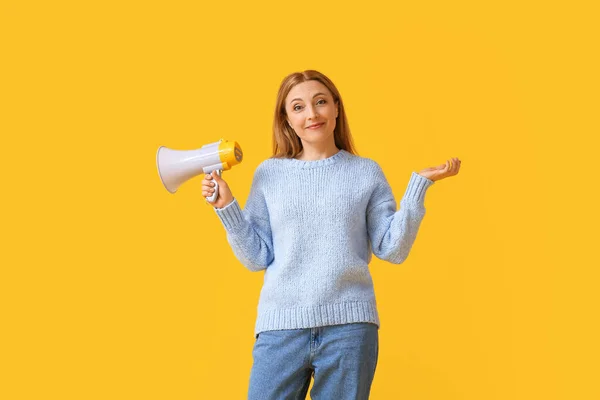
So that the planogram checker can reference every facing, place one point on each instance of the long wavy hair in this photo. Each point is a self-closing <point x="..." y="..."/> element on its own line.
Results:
<point x="286" y="144"/>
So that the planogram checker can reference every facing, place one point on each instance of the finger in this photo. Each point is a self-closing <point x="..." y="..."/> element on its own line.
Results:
<point x="219" y="180"/>
<point x="455" y="165"/>
<point x="208" y="177"/>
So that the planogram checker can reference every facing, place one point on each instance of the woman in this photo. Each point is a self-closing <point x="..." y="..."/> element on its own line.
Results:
<point x="315" y="214"/>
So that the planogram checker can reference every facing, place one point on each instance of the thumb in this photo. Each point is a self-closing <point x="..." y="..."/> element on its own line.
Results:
<point x="216" y="176"/>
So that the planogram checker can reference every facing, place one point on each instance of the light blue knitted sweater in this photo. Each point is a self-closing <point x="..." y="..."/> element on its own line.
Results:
<point x="312" y="226"/>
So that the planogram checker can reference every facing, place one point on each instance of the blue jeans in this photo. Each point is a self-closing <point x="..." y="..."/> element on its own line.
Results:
<point x="342" y="359"/>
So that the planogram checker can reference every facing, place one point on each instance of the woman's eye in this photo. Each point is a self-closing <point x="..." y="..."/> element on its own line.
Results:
<point x="295" y="108"/>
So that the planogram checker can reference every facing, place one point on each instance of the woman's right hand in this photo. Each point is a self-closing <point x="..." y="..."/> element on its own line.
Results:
<point x="224" y="197"/>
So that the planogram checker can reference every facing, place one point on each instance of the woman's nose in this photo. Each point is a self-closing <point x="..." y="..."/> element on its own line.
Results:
<point x="312" y="113"/>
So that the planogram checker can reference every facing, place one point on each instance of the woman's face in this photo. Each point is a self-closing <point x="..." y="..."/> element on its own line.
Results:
<point x="310" y="103"/>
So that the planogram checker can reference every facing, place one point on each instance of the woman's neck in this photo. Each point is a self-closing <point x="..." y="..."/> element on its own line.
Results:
<point x="313" y="153"/>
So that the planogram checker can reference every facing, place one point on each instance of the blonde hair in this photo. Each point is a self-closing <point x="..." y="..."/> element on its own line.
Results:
<point x="286" y="144"/>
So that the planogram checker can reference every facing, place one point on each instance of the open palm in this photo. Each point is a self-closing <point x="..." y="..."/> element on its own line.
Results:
<point x="450" y="168"/>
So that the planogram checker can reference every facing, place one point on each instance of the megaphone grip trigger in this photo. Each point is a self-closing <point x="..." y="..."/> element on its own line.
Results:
<point x="213" y="197"/>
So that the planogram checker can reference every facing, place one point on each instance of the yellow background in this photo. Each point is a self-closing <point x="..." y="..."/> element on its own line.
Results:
<point x="112" y="288"/>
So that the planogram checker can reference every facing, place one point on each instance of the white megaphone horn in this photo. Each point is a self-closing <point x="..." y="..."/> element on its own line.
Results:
<point x="177" y="166"/>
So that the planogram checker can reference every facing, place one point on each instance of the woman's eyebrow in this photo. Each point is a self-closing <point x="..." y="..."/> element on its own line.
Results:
<point x="297" y="98"/>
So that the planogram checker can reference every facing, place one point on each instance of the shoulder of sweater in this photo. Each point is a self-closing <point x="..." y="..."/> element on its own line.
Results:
<point x="264" y="166"/>
<point x="264" y="169"/>
<point x="365" y="161"/>
<point x="368" y="165"/>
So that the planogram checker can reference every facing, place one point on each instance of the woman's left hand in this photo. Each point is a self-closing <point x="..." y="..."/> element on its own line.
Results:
<point x="450" y="168"/>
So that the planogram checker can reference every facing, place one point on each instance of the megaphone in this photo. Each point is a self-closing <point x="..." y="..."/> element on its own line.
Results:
<point x="177" y="166"/>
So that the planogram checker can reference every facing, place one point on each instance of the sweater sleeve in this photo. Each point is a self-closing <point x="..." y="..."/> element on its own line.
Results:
<point x="392" y="233"/>
<point x="249" y="231"/>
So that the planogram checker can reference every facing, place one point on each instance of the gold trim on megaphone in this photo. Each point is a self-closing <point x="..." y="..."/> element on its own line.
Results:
<point x="230" y="153"/>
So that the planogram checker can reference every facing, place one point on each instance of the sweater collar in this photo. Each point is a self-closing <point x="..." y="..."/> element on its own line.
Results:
<point x="303" y="164"/>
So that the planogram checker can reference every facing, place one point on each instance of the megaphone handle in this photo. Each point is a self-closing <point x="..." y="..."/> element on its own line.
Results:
<point x="213" y="197"/>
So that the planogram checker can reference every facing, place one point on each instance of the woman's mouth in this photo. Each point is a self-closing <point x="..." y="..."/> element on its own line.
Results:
<point x="317" y="126"/>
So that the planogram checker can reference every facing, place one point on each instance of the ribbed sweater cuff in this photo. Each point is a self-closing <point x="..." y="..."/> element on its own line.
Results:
<point x="417" y="186"/>
<point x="230" y="215"/>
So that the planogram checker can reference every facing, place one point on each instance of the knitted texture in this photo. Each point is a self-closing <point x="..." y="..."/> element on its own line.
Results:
<point x="312" y="227"/>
